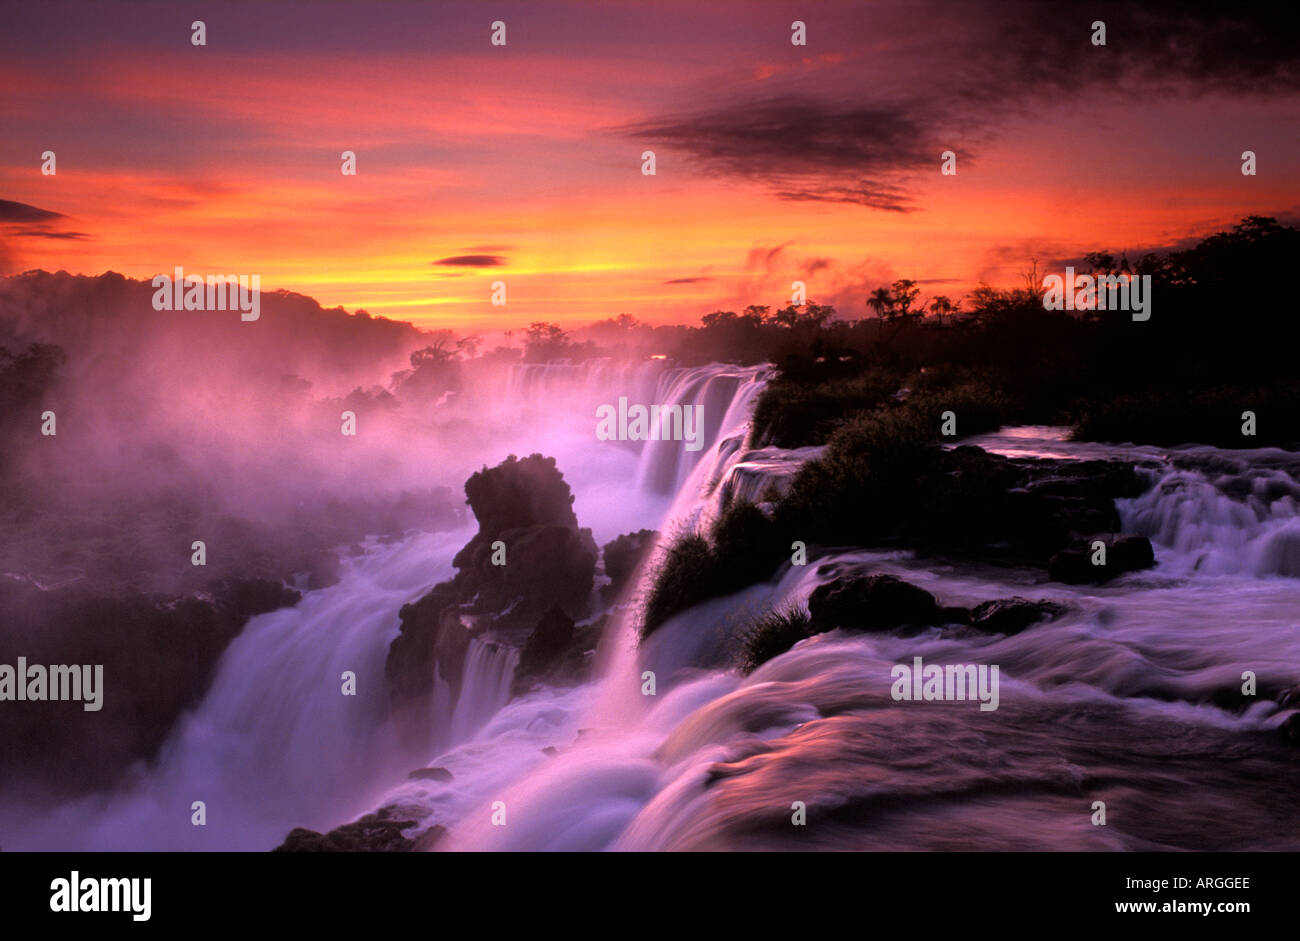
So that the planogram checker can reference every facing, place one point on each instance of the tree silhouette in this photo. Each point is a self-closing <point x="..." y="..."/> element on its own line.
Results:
<point x="882" y="302"/>
<point x="942" y="306"/>
<point x="544" y="342"/>
<point x="905" y="293"/>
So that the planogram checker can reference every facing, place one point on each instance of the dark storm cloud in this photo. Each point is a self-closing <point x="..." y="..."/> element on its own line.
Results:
<point x="1173" y="47"/>
<point x="861" y="130"/>
<point x="11" y="211"/>
<point x="887" y="198"/>
<point x="795" y="140"/>
<point x="43" y="234"/>
<point x="686" y="280"/>
<point x="471" y="261"/>
<point x="796" y="135"/>
<point x="23" y="221"/>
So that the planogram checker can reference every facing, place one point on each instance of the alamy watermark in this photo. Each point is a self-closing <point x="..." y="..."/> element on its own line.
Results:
<point x="82" y="683"/>
<point x="954" y="682"/>
<point x="650" y="423"/>
<point x="1099" y="292"/>
<point x="75" y="894"/>
<point x="220" y="292"/>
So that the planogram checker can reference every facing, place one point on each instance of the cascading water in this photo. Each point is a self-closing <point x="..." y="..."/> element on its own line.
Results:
<point x="274" y="739"/>
<point x="489" y="668"/>
<point x="534" y="736"/>
<point x="275" y="744"/>
<point x="1248" y="525"/>
<point x="1114" y="701"/>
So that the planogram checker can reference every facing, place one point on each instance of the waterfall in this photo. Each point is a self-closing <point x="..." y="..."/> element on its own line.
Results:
<point x="1130" y="678"/>
<point x="489" y="668"/>
<point x="528" y="736"/>
<point x="1119" y="687"/>
<point x="275" y="739"/>
<point x="724" y="397"/>
<point x="275" y="744"/>
<point x="1223" y="524"/>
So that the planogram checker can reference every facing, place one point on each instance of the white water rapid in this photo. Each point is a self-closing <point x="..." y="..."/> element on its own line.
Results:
<point x="1114" y="701"/>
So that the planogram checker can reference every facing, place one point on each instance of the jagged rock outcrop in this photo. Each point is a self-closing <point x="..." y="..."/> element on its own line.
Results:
<point x="159" y="652"/>
<point x="872" y="603"/>
<point x="886" y="602"/>
<point x="622" y="555"/>
<point x="527" y="569"/>
<point x="380" y="832"/>
<point x="860" y="602"/>
<point x="1012" y="615"/>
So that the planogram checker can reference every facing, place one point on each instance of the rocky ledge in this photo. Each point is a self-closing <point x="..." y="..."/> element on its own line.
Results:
<point x="526" y="579"/>
<point x="380" y="832"/>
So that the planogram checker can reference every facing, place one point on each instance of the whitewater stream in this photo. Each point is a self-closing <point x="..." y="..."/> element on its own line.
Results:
<point x="1113" y="702"/>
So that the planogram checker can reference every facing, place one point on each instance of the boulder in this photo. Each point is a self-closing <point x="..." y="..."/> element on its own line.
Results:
<point x="426" y="840"/>
<point x="1131" y="553"/>
<point x="1073" y="564"/>
<point x="159" y="652"/>
<point x="953" y="614"/>
<point x="1290" y="729"/>
<point x="374" y="833"/>
<point x="1012" y="615"/>
<point x="546" y="647"/>
<point x="872" y="603"/>
<point x="525" y="513"/>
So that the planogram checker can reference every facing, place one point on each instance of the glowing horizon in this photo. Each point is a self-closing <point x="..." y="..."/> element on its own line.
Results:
<point x="223" y="159"/>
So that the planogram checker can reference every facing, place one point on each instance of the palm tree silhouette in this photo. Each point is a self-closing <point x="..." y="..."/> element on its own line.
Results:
<point x="881" y="301"/>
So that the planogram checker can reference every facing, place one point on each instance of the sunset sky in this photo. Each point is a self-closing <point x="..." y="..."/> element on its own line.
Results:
<point x="522" y="163"/>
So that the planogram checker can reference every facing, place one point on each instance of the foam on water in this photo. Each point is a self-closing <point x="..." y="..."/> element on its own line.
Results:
<point x="1115" y="700"/>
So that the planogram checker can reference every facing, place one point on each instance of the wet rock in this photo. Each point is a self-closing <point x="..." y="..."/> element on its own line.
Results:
<point x="243" y="598"/>
<point x="431" y="774"/>
<point x="159" y="653"/>
<point x="1231" y="698"/>
<point x="1012" y="615"/>
<point x="374" y="833"/>
<point x="545" y="566"/>
<point x="428" y="839"/>
<point x="954" y="614"/>
<point x="1131" y="553"/>
<point x="546" y="647"/>
<point x="622" y="556"/>
<point x="872" y="603"/>
<point x="1073" y="564"/>
<point x="526" y="520"/>
<point x="1290" y="729"/>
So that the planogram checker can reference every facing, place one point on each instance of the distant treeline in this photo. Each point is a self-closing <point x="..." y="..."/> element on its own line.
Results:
<point x="1214" y="347"/>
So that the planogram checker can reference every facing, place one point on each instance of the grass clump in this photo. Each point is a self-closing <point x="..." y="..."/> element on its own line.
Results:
<point x="742" y="548"/>
<point x="773" y="634"/>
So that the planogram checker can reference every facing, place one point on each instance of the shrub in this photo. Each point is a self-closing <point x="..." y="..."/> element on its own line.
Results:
<point x="685" y="577"/>
<point x="797" y="414"/>
<point x="744" y="549"/>
<point x="772" y="635"/>
<point x="1177" y="416"/>
<point x="745" y="545"/>
<point x="978" y="406"/>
